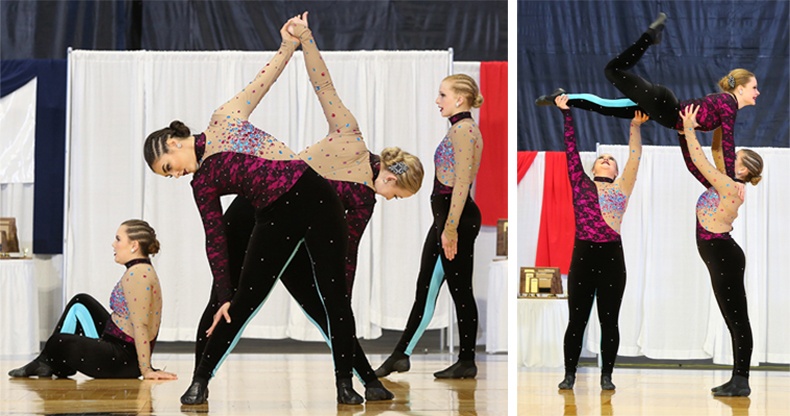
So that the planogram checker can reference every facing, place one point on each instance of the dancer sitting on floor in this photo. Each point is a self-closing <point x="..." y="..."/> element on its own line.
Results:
<point x="117" y="345"/>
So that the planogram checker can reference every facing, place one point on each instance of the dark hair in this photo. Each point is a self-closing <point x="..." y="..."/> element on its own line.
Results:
<point x="156" y="142"/>
<point x="140" y="231"/>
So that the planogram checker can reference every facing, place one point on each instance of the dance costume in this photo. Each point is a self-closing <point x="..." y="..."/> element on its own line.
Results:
<point x="597" y="268"/>
<point x="341" y="156"/>
<point x="457" y="160"/>
<point x="103" y="345"/>
<point x="717" y="208"/>
<point x="658" y="101"/>
<point x="298" y="218"/>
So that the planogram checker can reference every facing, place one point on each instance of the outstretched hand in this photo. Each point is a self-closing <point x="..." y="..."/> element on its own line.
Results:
<point x="689" y="116"/>
<point x="221" y="313"/>
<point x="639" y="118"/>
<point x="562" y="102"/>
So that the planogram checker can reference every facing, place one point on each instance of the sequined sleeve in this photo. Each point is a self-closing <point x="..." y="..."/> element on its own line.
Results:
<point x="207" y="198"/>
<point x="628" y="177"/>
<point x="575" y="168"/>
<point x="342" y="155"/>
<point x="724" y="186"/>
<point x="684" y="149"/>
<point x="717" y="151"/>
<point x="467" y="147"/>
<point x="140" y="291"/>
<point x="717" y="110"/>
<point x="242" y="104"/>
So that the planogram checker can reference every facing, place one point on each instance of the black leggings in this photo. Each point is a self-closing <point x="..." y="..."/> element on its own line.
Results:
<point x="303" y="228"/>
<point x="726" y="264"/>
<point x="657" y="101"/>
<point x="239" y="221"/>
<point x="78" y="344"/>
<point x="457" y="273"/>
<point x="597" y="271"/>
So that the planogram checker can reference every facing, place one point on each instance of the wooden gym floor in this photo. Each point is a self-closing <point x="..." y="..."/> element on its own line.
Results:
<point x="648" y="392"/>
<point x="262" y="384"/>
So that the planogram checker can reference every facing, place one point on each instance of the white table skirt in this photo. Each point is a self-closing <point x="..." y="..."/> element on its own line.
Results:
<point x="541" y="328"/>
<point x="18" y="308"/>
<point x="496" y="308"/>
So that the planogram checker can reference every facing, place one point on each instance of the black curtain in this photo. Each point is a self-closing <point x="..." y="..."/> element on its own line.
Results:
<point x="476" y="30"/>
<point x="568" y="43"/>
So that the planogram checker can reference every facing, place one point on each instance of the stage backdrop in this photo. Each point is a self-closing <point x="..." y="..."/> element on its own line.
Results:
<point x="568" y="43"/>
<point x="669" y="311"/>
<point x="118" y="98"/>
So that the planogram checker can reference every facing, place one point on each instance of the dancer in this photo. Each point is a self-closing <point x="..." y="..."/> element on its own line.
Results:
<point x="448" y="251"/>
<point x="739" y="89"/>
<point x="597" y="267"/>
<point x="296" y="210"/>
<point x="717" y="208"/>
<point x="117" y="345"/>
<point x="357" y="176"/>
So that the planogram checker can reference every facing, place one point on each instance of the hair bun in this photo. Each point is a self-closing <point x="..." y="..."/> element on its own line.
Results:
<point x="179" y="129"/>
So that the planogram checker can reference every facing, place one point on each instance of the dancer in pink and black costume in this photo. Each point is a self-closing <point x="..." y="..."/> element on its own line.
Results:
<point x="356" y="174"/>
<point x="597" y="270"/>
<point x="739" y="89"/>
<point x="296" y="211"/>
<point x="717" y="208"/>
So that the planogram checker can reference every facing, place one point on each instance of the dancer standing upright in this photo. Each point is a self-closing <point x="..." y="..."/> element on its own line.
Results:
<point x="597" y="270"/>
<point x="448" y="251"/>
<point x="717" y="208"/>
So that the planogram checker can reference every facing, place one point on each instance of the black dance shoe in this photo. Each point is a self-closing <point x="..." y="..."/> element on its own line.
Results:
<point x="738" y="386"/>
<point x="375" y="391"/>
<point x="33" y="368"/>
<point x="568" y="382"/>
<point x="395" y="362"/>
<point x="461" y="369"/>
<point x="657" y="27"/>
<point x="346" y="393"/>
<point x="723" y="386"/>
<point x="606" y="382"/>
<point x="197" y="393"/>
<point x="545" y="100"/>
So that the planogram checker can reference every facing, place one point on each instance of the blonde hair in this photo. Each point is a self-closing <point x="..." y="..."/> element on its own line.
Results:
<point x="465" y="86"/>
<point x="411" y="179"/>
<point x="734" y="79"/>
<point x="140" y="231"/>
<point x="753" y="163"/>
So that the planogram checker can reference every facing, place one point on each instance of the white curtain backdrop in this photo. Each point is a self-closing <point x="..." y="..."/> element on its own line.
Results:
<point x="669" y="311"/>
<point x="17" y="134"/>
<point x="117" y="98"/>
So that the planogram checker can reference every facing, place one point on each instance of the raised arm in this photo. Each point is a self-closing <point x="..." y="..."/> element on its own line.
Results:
<point x="338" y="117"/>
<point x="628" y="178"/>
<point x="684" y="149"/>
<point x="723" y="184"/>
<point x="575" y="169"/>
<point x="139" y="287"/>
<point x="242" y="104"/>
